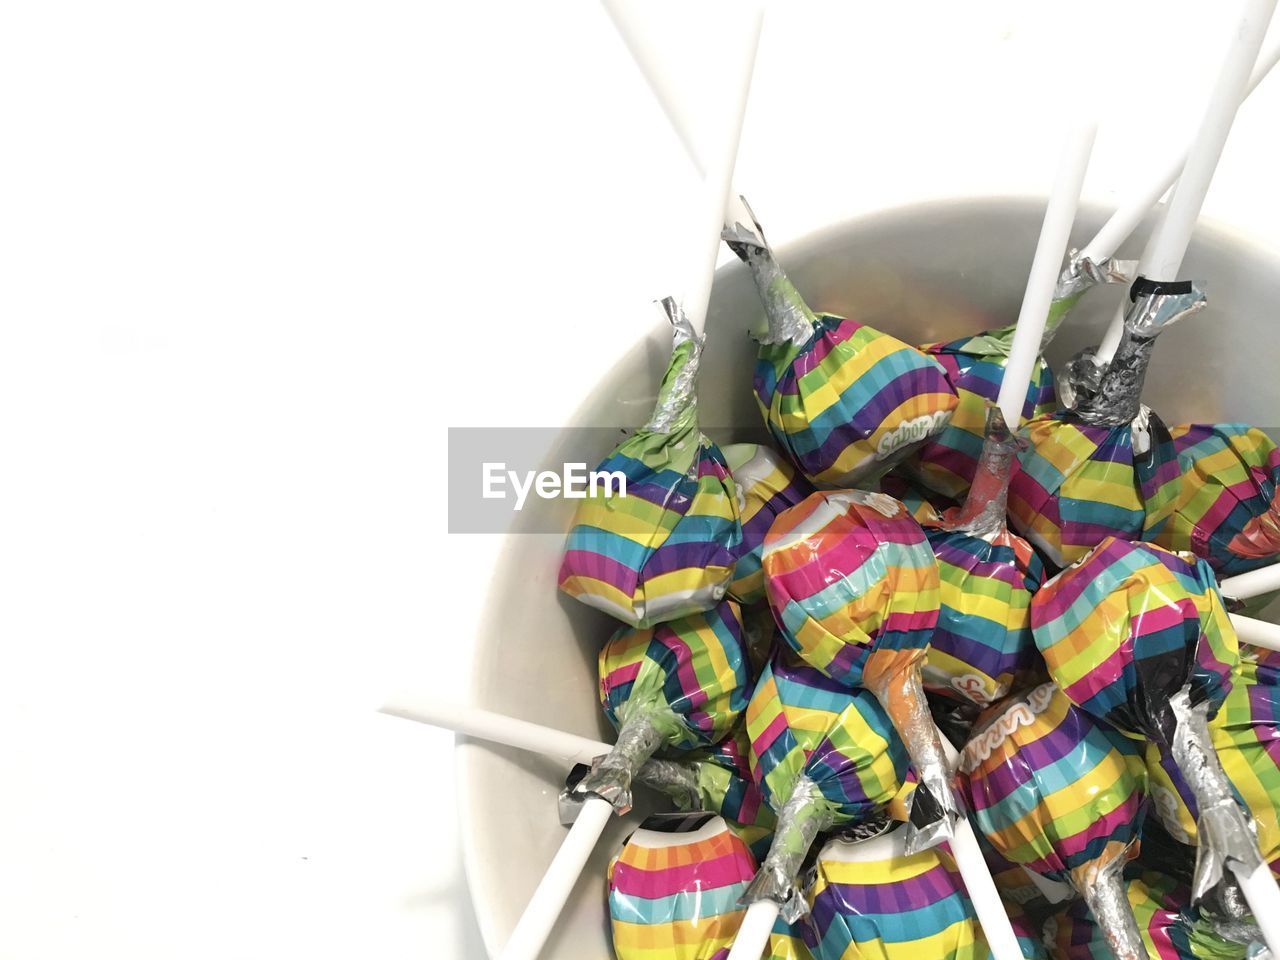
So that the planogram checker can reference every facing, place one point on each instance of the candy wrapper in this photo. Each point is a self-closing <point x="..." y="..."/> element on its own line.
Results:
<point x="1106" y="468"/>
<point x="853" y="585"/>
<point x="871" y="899"/>
<point x="1246" y="736"/>
<point x="767" y="485"/>
<point x="667" y="547"/>
<point x="1063" y="796"/>
<point x="845" y="401"/>
<point x="1138" y="637"/>
<point x="717" y="779"/>
<point x="823" y="755"/>
<point x="674" y="889"/>
<point x="983" y="645"/>
<point x="925" y="505"/>
<point x="785" y="943"/>
<point x="1227" y="509"/>
<point x="975" y="368"/>
<point x="679" y="685"/>
<point x="1169" y="928"/>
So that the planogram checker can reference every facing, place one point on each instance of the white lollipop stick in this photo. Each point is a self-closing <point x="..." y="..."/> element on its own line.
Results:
<point x="557" y="883"/>
<point x="1262" y="895"/>
<point x="1126" y="219"/>
<point x="1046" y="266"/>
<point x="753" y="935"/>
<point x="1172" y="235"/>
<point x="1257" y="632"/>
<point x="717" y="185"/>
<point x="1245" y="586"/>
<point x="648" y="60"/>
<point x="496" y="728"/>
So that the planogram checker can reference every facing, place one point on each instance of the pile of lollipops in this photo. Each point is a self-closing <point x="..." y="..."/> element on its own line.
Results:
<point x="948" y="668"/>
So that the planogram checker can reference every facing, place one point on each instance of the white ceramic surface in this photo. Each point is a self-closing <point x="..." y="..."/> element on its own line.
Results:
<point x="923" y="273"/>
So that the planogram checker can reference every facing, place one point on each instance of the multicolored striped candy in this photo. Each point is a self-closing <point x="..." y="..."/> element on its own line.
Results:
<point x="1227" y="509"/>
<point x="679" y="685"/>
<point x="975" y="367"/>
<point x="925" y="506"/>
<point x="666" y="546"/>
<point x="853" y="585"/>
<point x="766" y="485"/>
<point x="983" y="645"/>
<point x="785" y="943"/>
<point x="1169" y="926"/>
<point x="1129" y="626"/>
<point x="1246" y="736"/>
<point x="823" y="755"/>
<point x="871" y="899"/>
<point x="674" y="889"/>
<point x="845" y="401"/>
<point x="1060" y="795"/>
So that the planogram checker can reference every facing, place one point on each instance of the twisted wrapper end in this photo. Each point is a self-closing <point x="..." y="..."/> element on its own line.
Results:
<point x="1225" y="830"/>
<point x="790" y="319"/>
<point x="805" y="814"/>
<point x="984" y="510"/>
<point x="1081" y="273"/>
<point x="677" y="397"/>
<point x="678" y="781"/>
<point x="611" y="776"/>
<point x="1078" y="379"/>
<point x="1101" y="884"/>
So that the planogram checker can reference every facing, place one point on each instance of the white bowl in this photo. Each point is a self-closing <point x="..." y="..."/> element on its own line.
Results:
<point x="923" y="273"/>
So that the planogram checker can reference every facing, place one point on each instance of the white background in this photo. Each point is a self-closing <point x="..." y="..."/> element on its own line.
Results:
<point x="255" y="257"/>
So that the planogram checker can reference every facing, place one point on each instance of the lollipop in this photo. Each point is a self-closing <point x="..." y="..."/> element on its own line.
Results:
<point x="1055" y="792"/>
<point x="1228" y="502"/>
<point x="871" y="899"/>
<point x="1138" y="636"/>
<point x="854" y="587"/>
<point x="664" y="545"/>
<point x="823" y="755"/>
<point x="674" y="889"/>
<point x="1106" y="468"/>
<point x="975" y="366"/>
<point x="983" y="641"/>
<point x="766" y="485"/>
<point x="845" y="401"/>
<point x="1170" y="930"/>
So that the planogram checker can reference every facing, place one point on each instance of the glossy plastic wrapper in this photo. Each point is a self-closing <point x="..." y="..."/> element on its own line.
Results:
<point x="1227" y="509"/>
<point x="680" y="685"/>
<point x="1107" y="467"/>
<point x="854" y="587"/>
<point x="674" y="889"/>
<point x="1063" y="796"/>
<point x="667" y="547"/>
<point x="870" y="899"/>
<point x="767" y="485"/>
<point x="823" y="755"/>
<point x="845" y="401"/>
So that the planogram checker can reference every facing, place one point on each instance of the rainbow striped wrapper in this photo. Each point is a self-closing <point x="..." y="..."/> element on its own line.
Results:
<point x="1052" y="790"/>
<point x="1080" y="483"/>
<point x="766" y="485"/>
<point x="689" y="675"/>
<point x="1129" y="626"/>
<point x="667" y="547"/>
<point x="1029" y="932"/>
<point x="1170" y="928"/>
<point x="1227" y="509"/>
<point x="1246" y="735"/>
<point x="925" y="505"/>
<point x="785" y="943"/>
<point x="880" y="902"/>
<point x="849" y="402"/>
<point x="853" y="583"/>
<point x="974" y="367"/>
<point x="674" y="890"/>
<point x="983" y="644"/>
<point x="802" y="723"/>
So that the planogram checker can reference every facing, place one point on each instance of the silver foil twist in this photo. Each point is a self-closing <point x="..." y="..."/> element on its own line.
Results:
<point x="1078" y="379"/>
<point x="1081" y="273"/>
<point x="678" y="781"/>
<point x="790" y="320"/>
<point x="1103" y="890"/>
<point x="1118" y="396"/>
<point x="805" y="814"/>
<point x="677" y="397"/>
<point x="1224" y="828"/>
<point x="611" y="776"/>
<point x="985" y="508"/>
